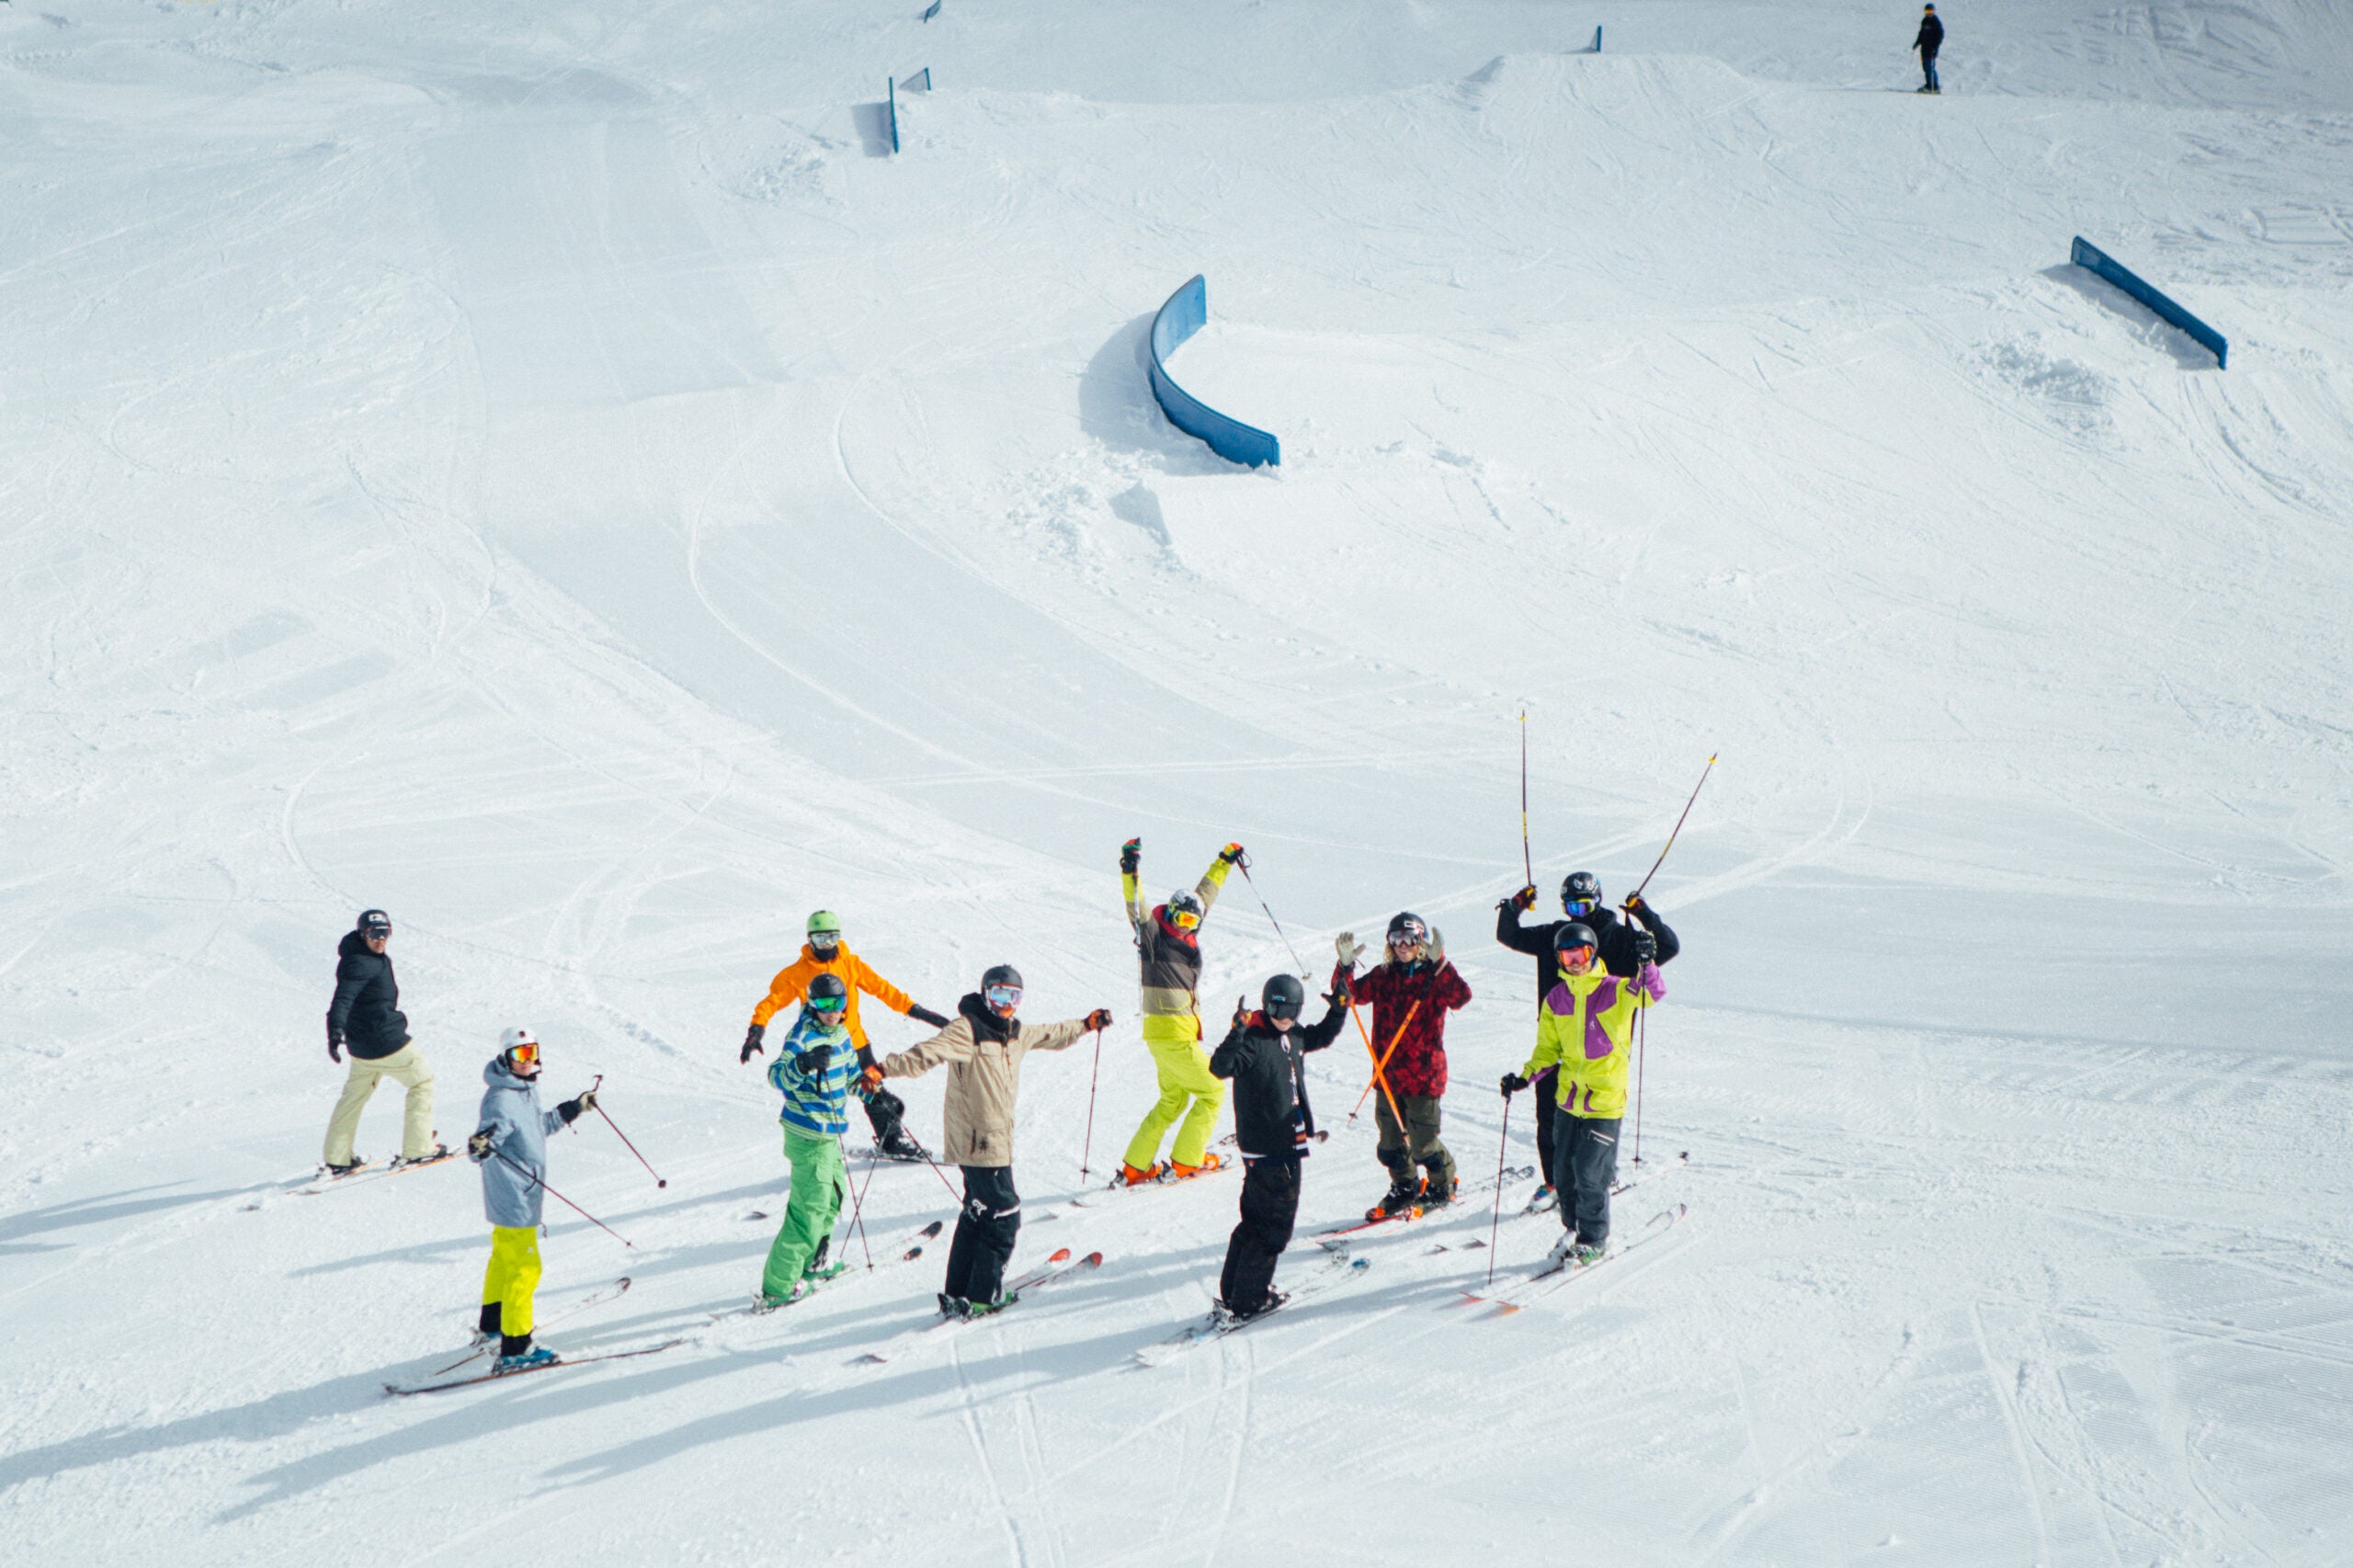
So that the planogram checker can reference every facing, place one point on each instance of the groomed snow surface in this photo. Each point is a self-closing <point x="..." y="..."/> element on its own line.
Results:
<point x="541" y="469"/>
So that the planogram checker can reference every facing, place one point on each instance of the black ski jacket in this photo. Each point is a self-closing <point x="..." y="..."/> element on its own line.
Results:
<point x="1268" y="1069"/>
<point x="1616" y="937"/>
<point x="1931" y="39"/>
<point x="366" y="1014"/>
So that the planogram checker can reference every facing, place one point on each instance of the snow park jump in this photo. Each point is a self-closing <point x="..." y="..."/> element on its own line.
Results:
<point x="569" y="623"/>
<point x="1184" y="314"/>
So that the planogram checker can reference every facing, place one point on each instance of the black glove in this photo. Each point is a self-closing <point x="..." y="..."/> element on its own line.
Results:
<point x="478" y="1147"/>
<point x="924" y="1015"/>
<point x="334" y="1043"/>
<point x="1513" y="1083"/>
<point x="752" y="1038"/>
<point x="813" y="1061"/>
<point x="1645" y="948"/>
<point x="570" y="1110"/>
<point x="1100" y="1019"/>
<point x="1130" y="856"/>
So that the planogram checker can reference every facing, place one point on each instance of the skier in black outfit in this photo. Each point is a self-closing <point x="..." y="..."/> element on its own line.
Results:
<point x="1931" y="39"/>
<point x="365" y="1020"/>
<point x="1265" y="1055"/>
<point x="1580" y="902"/>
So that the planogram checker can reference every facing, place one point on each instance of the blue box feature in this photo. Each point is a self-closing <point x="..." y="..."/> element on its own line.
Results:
<point x="1185" y="313"/>
<point x="2093" y="259"/>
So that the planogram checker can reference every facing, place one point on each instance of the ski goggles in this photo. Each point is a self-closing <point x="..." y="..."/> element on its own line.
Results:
<point x="524" y="1056"/>
<point x="1579" y="908"/>
<point x="1580" y="953"/>
<point x="1185" y="919"/>
<point x="825" y="942"/>
<point x="1410" y="937"/>
<point x="828" y="1004"/>
<point x="1006" y="997"/>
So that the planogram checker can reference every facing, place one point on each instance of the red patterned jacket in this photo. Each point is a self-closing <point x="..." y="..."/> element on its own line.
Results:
<point x="1418" y="1065"/>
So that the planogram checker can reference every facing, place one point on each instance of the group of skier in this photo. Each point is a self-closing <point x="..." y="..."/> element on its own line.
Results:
<point x="1595" y="973"/>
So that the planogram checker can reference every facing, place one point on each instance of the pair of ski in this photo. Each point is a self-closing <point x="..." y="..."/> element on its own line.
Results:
<point x="1053" y="1271"/>
<point x="1546" y="1199"/>
<point x="1337" y="1268"/>
<point x="1561" y="1271"/>
<point x="326" y="1180"/>
<point x="1462" y="1189"/>
<point x="909" y="1249"/>
<point x="439" y="1381"/>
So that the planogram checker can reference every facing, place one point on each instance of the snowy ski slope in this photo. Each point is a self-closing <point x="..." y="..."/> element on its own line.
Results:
<point x="542" y="470"/>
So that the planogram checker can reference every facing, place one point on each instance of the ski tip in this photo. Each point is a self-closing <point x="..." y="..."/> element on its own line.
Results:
<point x="1506" y="1309"/>
<point x="1092" y="1261"/>
<point x="1060" y="1256"/>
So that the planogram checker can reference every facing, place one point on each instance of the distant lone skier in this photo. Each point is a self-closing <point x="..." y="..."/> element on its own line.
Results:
<point x="1168" y="950"/>
<point x="511" y="1147"/>
<point x="982" y="1048"/>
<point x="365" y="1018"/>
<point x="1265" y="1055"/>
<point x="826" y="954"/>
<point x="1931" y="39"/>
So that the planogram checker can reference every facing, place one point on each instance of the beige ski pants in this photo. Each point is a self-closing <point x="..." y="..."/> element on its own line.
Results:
<point x="405" y="1067"/>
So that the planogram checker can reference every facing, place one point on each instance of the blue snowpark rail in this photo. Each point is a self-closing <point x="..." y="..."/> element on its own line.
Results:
<point x="2093" y="259"/>
<point x="918" y="83"/>
<point x="1185" y="313"/>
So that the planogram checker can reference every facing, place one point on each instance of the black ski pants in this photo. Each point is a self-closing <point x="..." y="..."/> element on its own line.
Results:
<point x="885" y="1110"/>
<point x="985" y="1234"/>
<point x="1584" y="1169"/>
<point x="1541" y="1089"/>
<point x="1269" y="1207"/>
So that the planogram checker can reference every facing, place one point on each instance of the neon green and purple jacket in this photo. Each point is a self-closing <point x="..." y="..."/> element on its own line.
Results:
<point x="1583" y="1025"/>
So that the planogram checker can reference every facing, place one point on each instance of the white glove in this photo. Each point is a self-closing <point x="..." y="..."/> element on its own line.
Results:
<point x="1345" y="944"/>
<point x="1438" y="949"/>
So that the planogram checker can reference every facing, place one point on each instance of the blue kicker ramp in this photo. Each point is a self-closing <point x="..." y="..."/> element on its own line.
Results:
<point x="2091" y="258"/>
<point x="1185" y="313"/>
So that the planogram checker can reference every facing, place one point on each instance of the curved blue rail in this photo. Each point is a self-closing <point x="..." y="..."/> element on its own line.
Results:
<point x="1185" y="312"/>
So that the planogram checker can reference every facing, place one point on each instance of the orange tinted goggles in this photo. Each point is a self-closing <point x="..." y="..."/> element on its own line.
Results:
<point x="524" y="1056"/>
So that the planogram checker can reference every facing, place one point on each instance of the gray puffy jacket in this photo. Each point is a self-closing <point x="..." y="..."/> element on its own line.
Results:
<point x="518" y="1128"/>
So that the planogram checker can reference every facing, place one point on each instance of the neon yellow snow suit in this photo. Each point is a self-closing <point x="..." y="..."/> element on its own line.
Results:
<point x="1171" y="964"/>
<point x="1585" y="1025"/>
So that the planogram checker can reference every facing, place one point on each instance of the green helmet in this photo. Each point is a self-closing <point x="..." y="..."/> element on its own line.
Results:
<point x="824" y="927"/>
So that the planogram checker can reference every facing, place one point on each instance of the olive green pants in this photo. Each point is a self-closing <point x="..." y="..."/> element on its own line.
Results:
<point x="1416" y="1143"/>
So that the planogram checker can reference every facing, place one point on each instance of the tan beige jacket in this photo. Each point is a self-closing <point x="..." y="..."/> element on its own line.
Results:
<point x="983" y="1076"/>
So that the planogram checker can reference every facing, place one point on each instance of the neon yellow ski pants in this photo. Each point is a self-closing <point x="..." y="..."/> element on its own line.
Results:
<point x="513" y="1275"/>
<point x="1185" y="1078"/>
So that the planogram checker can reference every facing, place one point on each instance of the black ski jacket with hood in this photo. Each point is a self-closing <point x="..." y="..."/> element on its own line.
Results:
<point x="1268" y="1069"/>
<point x="366" y="1014"/>
<point x="1617" y="939"/>
<point x="1932" y="37"/>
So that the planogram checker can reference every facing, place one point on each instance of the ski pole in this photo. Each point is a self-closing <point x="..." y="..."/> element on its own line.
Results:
<point x="1635" y="897"/>
<point x="1642" y="1038"/>
<point x="1526" y="860"/>
<point x="1380" y="1063"/>
<point x="938" y="1171"/>
<point x="623" y="1136"/>
<point x="1496" y="1223"/>
<point x="857" y="1205"/>
<point x="1244" y="864"/>
<point x="1087" y="1152"/>
<point x="541" y="1182"/>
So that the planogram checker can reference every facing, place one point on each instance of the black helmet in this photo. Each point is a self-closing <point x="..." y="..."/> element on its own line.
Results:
<point x="1408" y="924"/>
<point x="374" y="922"/>
<point x="1581" y="887"/>
<point x="1569" y="934"/>
<point x="1283" y="996"/>
<point x="1001" y="974"/>
<point x="828" y="993"/>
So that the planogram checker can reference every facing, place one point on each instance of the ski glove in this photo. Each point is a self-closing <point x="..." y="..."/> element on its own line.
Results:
<point x="1645" y="948"/>
<point x="870" y="1080"/>
<point x="1130" y="856"/>
<point x="1231" y="855"/>
<point x="335" y="1044"/>
<point x="1100" y="1019"/>
<point x="752" y="1038"/>
<point x="478" y="1147"/>
<point x="1525" y="898"/>
<point x="577" y="1106"/>
<point x="924" y="1015"/>
<point x="1513" y="1083"/>
<point x="1438" y="949"/>
<point x="1345" y="944"/>
<point x="813" y="1061"/>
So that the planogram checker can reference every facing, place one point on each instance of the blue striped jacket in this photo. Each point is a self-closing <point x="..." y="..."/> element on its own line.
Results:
<point x="813" y="1102"/>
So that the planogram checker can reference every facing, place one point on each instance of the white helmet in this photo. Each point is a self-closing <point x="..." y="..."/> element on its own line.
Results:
<point x="515" y="1036"/>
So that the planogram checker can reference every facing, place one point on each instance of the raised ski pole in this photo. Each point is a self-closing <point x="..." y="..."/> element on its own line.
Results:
<point x="623" y="1136"/>
<point x="1086" y="1152"/>
<point x="1494" y="1223"/>
<point x="1244" y="864"/>
<point x="541" y="1182"/>
<point x="1526" y="860"/>
<point x="1636" y="896"/>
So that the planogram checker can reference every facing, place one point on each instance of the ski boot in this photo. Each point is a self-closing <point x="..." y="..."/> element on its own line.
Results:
<point x="899" y="1144"/>
<point x="1131" y="1177"/>
<point x="524" y="1361"/>
<point x="802" y="1289"/>
<point x="1273" y="1299"/>
<point x="1563" y="1250"/>
<point x="1179" y="1171"/>
<point x="950" y="1306"/>
<point x="818" y="1273"/>
<point x="1437" y="1188"/>
<point x="334" y="1170"/>
<point x="988" y="1308"/>
<point x="438" y="1152"/>
<point x="1590" y="1253"/>
<point x="1400" y="1199"/>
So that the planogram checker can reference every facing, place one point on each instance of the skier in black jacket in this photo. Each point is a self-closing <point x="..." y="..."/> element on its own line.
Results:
<point x="365" y="1018"/>
<point x="1580" y="902"/>
<point x="1931" y="39"/>
<point x="1265" y="1055"/>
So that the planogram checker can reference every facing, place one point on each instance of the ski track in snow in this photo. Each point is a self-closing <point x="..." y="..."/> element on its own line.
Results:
<point x="553" y="477"/>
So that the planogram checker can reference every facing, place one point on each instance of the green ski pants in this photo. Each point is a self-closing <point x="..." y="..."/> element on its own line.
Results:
<point x="818" y="1180"/>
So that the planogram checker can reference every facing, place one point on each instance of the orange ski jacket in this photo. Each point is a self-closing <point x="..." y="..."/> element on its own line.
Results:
<point x="791" y="985"/>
